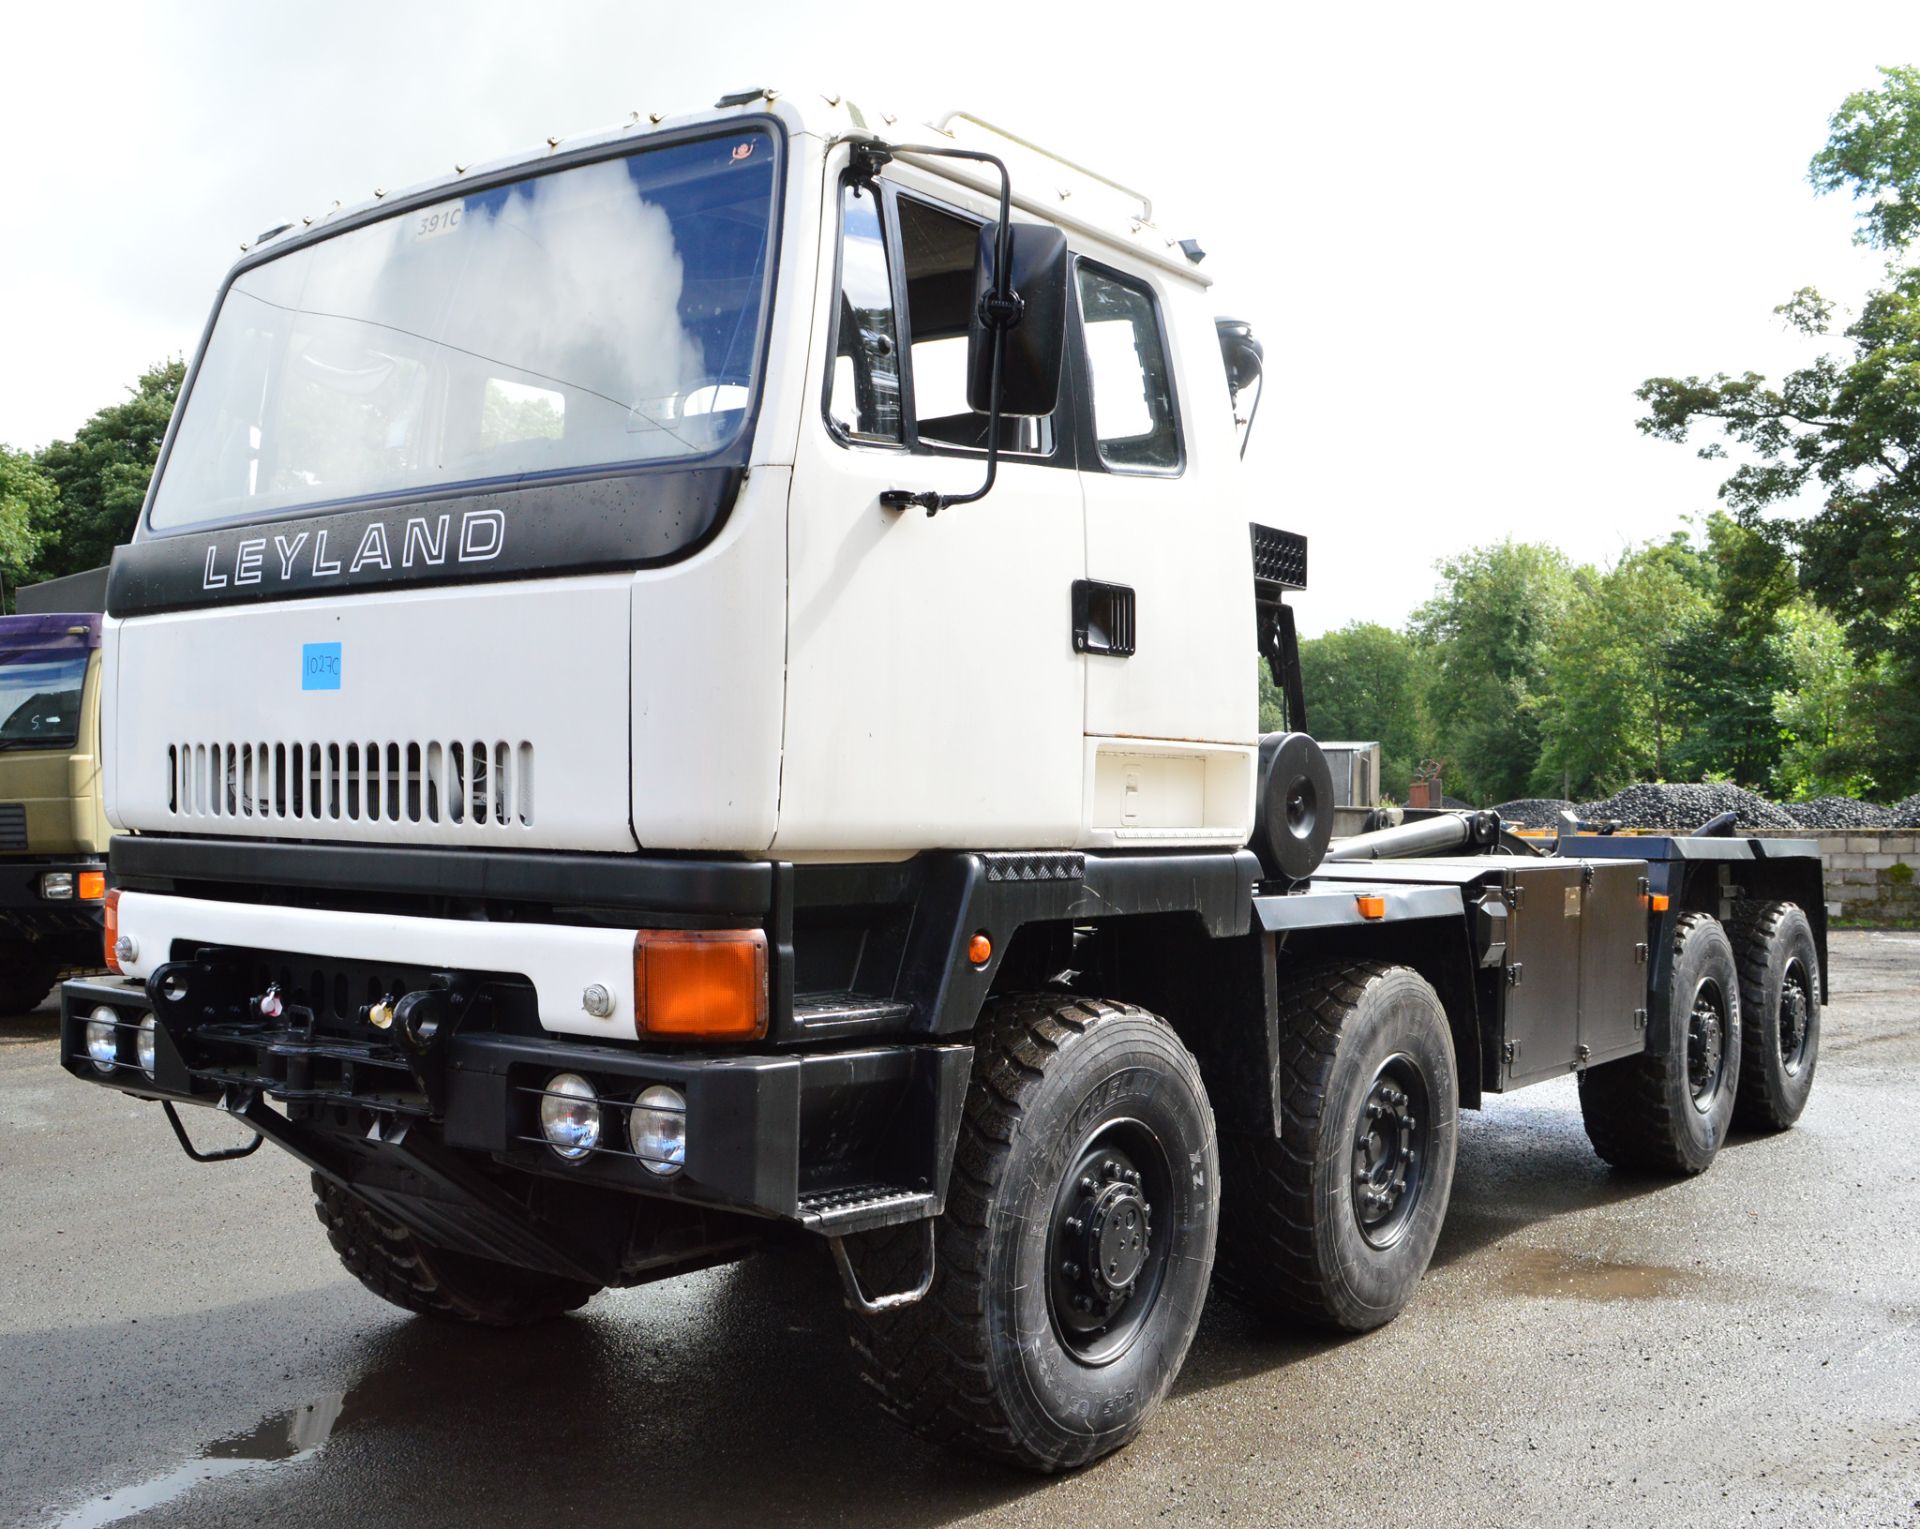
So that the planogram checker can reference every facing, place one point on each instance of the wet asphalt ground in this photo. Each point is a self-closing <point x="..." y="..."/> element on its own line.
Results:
<point x="178" y="1346"/>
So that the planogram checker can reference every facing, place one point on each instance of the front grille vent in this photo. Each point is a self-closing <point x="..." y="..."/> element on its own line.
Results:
<point x="13" y="825"/>
<point x="480" y="784"/>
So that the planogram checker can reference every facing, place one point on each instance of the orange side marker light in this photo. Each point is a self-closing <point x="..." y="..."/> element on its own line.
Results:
<point x="110" y="930"/>
<point x="1371" y="904"/>
<point x="93" y="886"/>
<point x="980" y="950"/>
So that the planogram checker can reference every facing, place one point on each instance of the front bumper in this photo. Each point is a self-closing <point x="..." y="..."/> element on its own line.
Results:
<point x="23" y="908"/>
<point x="836" y="1141"/>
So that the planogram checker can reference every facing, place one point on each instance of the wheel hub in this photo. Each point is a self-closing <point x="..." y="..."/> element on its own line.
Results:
<point x="1706" y="1047"/>
<point x="1104" y="1236"/>
<point x="1387" y="1151"/>
<point x="1795" y="1014"/>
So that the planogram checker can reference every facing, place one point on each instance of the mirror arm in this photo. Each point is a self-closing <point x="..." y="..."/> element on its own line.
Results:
<point x="1003" y="306"/>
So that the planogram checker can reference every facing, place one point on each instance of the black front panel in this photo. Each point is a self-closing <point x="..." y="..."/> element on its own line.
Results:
<point x="630" y="520"/>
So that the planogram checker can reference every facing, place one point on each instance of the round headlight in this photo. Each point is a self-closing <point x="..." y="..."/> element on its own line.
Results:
<point x="570" y="1116"/>
<point x="103" y="1038"/>
<point x="145" y="1039"/>
<point x="658" y="1127"/>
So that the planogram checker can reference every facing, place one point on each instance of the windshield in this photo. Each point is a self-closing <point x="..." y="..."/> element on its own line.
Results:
<point x="606" y="314"/>
<point x="40" y="701"/>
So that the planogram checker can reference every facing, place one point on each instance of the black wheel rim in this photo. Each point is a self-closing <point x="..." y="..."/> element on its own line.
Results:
<point x="1393" y="1137"/>
<point x="1109" y="1240"/>
<point x="1707" y="1038"/>
<point x="1796" y="1018"/>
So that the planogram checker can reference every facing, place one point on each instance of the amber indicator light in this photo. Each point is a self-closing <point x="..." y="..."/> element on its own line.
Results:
<point x="979" y="950"/>
<point x="93" y="886"/>
<point x="700" y="984"/>
<point x="1372" y="905"/>
<point x="110" y="931"/>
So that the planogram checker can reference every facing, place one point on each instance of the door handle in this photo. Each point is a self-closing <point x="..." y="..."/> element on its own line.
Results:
<point x="1103" y="618"/>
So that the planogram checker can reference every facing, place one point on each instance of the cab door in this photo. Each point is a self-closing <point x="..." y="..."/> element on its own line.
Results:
<point x="1172" y="709"/>
<point x="934" y="697"/>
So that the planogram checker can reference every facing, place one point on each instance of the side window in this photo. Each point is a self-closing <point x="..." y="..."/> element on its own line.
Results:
<point x="1133" y="413"/>
<point x="937" y="250"/>
<point x="864" y="401"/>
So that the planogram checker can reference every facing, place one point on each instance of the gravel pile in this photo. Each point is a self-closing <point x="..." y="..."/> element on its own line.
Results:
<point x="1839" y="812"/>
<point x="1905" y="814"/>
<point x="1534" y="811"/>
<point x="1680" y="809"/>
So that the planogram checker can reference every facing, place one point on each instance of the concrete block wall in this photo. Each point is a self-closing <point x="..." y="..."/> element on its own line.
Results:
<point x="1871" y="877"/>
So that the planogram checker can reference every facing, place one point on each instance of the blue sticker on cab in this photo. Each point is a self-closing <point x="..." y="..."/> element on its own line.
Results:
<point x="320" y="666"/>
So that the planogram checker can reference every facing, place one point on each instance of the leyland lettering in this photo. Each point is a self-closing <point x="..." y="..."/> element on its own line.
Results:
<point x="422" y="541"/>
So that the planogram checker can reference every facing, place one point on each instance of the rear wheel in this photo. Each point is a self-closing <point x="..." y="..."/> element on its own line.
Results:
<point x="392" y="1262"/>
<point x="1779" y="1013"/>
<point x="1668" y="1111"/>
<point x="1335" y="1221"/>
<point x="1071" y="1261"/>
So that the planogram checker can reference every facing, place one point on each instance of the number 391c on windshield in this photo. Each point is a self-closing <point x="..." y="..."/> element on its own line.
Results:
<point x="436" y="221"/>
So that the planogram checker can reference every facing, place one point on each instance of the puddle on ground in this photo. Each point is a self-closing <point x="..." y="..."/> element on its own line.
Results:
<point x="1550" y="1272"/>
<point x="284" y="1437"/>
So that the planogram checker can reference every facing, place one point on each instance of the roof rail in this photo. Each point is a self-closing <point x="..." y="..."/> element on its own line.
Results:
<point x="1146" y="203"/>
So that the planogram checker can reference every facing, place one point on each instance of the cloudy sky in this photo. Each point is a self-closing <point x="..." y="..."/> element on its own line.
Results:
<point x="1464" y="232"/>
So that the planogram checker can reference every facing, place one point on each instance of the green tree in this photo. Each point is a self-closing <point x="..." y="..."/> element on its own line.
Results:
<point x="1824" y="714"/>
<point x="1485" y="638"/>
<point x="1362" y="682"/>
<point x="1613" y="708"/>
<point x="1728" y="662"/>
<point x="1846" y="426"/>
<point x="102" y="474"/>
<point x="28" y="500"/>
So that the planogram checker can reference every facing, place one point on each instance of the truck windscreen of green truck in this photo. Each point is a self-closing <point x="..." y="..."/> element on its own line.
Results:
<point x="40" y="700"/>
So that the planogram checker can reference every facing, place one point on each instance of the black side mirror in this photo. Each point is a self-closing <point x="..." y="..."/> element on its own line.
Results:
<point x="1036" y="341"/>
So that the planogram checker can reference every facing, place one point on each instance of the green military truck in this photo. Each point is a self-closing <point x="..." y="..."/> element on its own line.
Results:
<point x="53" y="824"/>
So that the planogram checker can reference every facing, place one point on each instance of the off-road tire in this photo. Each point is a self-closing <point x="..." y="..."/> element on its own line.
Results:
<point x="981" y="1361"/>
<point x="1640" y="1111"/>
<point x="1774" y="945"/>
<point x="397" y="1266"/>
<point x="1292" y="1243"/>
<point x="26" y="977"/>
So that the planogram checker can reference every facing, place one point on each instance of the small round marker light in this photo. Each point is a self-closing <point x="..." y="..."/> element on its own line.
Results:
<point x="146" y="1047"/>
<point x="658" y="1128"/>
<point x="597" y="1001"/>
<point x="980" y="950"/>
<point x="570" y="1116"/>
<point x="103" y="1038"/>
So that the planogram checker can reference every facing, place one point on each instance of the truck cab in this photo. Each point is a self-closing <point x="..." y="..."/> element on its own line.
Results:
<point x="53" y="826"/>
<point x="699" y="688"/>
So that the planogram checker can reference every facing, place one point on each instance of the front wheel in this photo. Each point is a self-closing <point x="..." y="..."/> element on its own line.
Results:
<point x="27" y="975"/>
<point x="392" y="1262"/>
<point x="1073" y="1255"/>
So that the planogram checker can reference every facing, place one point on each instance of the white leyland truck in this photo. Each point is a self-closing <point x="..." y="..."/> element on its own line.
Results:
<point x="699" y="687"/>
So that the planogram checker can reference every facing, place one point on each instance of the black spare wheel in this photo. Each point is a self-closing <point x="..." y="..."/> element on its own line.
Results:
<point x="1668" y="1110"/>
<point x="1334" y="1221"/>
<point x="1073" y="1255"/>
<point x="1293" y="806"/>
